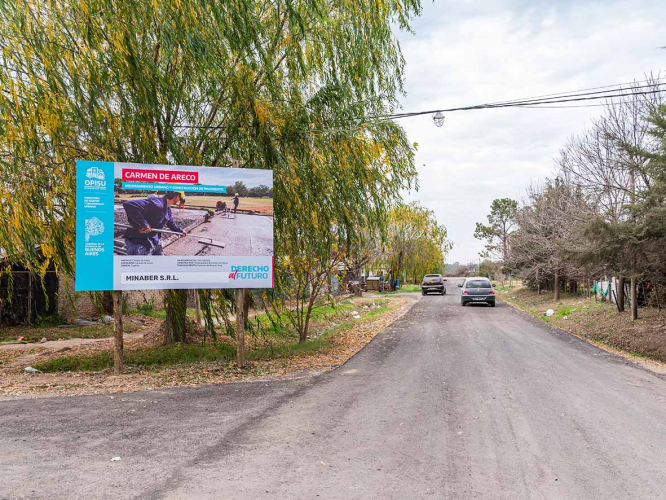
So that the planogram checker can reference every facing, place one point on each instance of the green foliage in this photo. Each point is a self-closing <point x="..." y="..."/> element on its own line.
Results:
<point x="300" y="87"/>
<point x="147" y="308"/>
<point x="501" y="221"/>
<point x="173" y="354"/>
<point x="51" y="320"/>
<point x="409" y="288"/>
<point x="175" y="326"/>
<point x="489" y="269"/>
<point x="48" y="329"/>
<point x="415" y="242"/>
<point x="565" y="311"/>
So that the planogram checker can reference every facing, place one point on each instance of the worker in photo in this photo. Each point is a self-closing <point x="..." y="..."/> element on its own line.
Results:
<point x="146" y="215"/>
<point x="236" y="201"/>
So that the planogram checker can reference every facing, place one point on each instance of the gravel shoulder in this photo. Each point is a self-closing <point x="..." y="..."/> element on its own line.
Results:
<point x="14" y="383"/>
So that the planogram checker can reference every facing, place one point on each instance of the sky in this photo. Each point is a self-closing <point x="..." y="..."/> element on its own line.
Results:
<point x="470" y="52"/>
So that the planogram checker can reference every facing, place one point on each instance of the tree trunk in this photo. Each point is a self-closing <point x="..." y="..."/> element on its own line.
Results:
<point x="556" y="285"/>
<point x="620" y="294"/>
<point x="634" y="298"/>
<point x="175" y="325"/>
<point x="118" y="332"/>
<point x="303" y="334"/>
<point x="240" y="327"/>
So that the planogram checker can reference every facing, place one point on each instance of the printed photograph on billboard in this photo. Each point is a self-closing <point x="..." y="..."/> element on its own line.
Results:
<point x="164" y="226"/>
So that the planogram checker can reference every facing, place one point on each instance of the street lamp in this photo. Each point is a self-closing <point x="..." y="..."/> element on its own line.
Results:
<point x="438" y="118"/>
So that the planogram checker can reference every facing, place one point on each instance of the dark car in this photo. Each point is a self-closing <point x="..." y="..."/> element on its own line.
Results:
<point x="433" y="283"/>
<point x="477" y="290"/>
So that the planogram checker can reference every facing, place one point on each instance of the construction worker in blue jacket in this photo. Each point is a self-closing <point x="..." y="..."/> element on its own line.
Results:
<point x="144" y="216"/>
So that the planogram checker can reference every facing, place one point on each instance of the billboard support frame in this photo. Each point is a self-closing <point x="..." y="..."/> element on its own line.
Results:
<point x="240" y="327"/>
<point x="118" y="355"/>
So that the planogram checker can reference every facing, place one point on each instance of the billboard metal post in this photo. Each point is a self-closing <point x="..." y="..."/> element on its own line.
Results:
<point x="118" y="332"/>
<point x="240" y="328"/>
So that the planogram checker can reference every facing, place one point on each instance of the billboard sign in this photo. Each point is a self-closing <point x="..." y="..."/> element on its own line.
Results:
<point x="141" y="227"/>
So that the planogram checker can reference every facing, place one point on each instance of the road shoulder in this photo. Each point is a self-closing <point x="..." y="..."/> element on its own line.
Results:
<point x="617" y="355"/>
<point x="346" y="338"/>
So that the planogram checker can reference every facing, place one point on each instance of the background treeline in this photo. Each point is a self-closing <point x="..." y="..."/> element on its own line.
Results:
<point x="260" y="191"/>
<point x="604" y="213"/>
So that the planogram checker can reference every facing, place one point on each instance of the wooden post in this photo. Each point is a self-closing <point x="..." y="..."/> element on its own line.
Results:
<point x="197" y="307"/>
<point x="117" y="332"/>
<point x="240" y="328"/>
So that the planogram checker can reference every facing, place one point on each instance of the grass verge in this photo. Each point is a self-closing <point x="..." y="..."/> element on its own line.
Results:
<point x="327" y="321"/>
<point x="598" y="321"/>
<point x="141" y="358"/>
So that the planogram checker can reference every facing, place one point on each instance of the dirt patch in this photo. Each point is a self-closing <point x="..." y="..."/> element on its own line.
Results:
<point x="599" y="322"/>
<point x="348" y="337"/>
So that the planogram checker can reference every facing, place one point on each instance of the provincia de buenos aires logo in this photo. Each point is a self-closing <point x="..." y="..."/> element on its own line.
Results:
<point x="95" y="178"/>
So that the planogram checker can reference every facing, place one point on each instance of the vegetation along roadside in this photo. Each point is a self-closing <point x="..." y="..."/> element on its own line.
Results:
<point x="595" y="320"/>
<point x="338" y="332"/>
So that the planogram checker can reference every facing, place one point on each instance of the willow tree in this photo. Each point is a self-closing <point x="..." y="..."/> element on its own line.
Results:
<point x="300" y="87"/>
<point x="414" y="237"/>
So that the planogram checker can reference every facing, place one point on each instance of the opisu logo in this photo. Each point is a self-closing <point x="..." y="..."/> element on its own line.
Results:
<point x="94" y="179"/>
<point x="95" y="173"/>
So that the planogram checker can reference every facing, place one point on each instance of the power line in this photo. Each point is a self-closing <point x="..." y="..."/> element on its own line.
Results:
<point x="617" y="85"/>
<point x="536" y="102"/>
<point x="526" y="103"/>
<point x="632" y="91"/>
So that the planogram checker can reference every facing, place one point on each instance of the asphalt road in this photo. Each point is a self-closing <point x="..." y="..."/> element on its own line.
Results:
<point x="448" y="402"/>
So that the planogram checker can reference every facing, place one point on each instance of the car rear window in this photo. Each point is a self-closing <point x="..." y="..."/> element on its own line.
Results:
<point x="432" y="276"/>
<point x="478" y="284"/>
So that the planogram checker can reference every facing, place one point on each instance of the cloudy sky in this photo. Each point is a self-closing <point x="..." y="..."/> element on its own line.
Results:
<point x="474" y="52"/>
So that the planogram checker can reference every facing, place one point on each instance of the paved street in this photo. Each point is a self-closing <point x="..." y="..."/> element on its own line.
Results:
<point x="448" y="402"/>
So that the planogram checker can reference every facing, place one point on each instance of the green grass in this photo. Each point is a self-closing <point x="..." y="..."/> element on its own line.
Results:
<point x="142" y="358"/>
<point x="35" y="333"/>
<point x="323" y="313"/>
<point x="184" y="354"/>
<point x="505" y="287"/>
<point x="148" y="309"/>
<point x="409" y="288"/>
<point x="565" y="311"/>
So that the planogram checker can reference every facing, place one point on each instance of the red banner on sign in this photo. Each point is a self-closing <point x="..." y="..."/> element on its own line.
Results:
<point x="137" y="175"/>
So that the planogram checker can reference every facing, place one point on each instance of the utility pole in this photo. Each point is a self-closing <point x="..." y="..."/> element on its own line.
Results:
<point x="118" y="332"/>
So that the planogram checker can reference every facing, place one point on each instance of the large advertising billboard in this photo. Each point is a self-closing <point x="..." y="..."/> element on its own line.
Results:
<point x="141" y="227"/>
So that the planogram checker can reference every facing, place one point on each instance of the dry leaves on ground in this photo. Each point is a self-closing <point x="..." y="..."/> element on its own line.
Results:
<point x="342" y="346"/>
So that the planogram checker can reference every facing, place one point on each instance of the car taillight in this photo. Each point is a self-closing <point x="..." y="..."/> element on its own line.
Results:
<point x="464" y="292"/>
<point x="492" y="293"/>
<point x="441" y="282"/>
